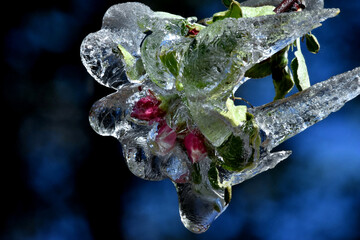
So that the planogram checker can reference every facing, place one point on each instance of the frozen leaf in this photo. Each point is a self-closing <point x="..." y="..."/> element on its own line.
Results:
<point x="283" y="82"/>
<point x="248" y="12"/>
<point x="312" y="43"/>
<point x="234" y="155"/>
<point x="299" y="69"/>
<point x="134" y="67"/>
<point x="213" y="175"/>
<point x="282" y="79"/>
<point x="260" y="70"/>
<point x="227" y="2"/>
<point x="170" y="60"/>
<point x="212" y="124"/>
<point x="233" y="12"/>
<point x="237" y="11"/>
<point x="235" y="114"/>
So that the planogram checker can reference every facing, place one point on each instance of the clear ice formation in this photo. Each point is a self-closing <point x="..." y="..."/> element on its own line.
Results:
<point x="171" y="110"/>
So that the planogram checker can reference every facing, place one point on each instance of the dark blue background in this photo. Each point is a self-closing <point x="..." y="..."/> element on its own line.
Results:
<point x="62" y="181"/>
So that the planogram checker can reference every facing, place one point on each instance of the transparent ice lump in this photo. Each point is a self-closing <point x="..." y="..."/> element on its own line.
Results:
<point x="172" y="89"/>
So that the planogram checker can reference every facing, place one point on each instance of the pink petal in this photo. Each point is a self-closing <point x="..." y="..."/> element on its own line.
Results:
<point x="194" y="144"/>
<point x="166" y="138"/>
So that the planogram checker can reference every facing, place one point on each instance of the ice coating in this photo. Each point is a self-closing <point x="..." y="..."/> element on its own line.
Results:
<point x="285" y="118"/>
<point x="99" y="52"/>
<point x="230" y="47"/>
<point x="215" y="65"/>
<point x="309" y="4"/>
<point x="100" y="60"/>
<point x="171" y="111"/>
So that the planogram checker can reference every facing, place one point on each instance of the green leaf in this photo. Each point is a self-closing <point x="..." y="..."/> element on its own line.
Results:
<point x="283" y="82"/>
<point x="179" y="86"/>
<point x="213" y="175"/>
<point x="134" y="67"/>
<point x="235" y="114"/>
<point x="196" y="175"/>
<point x="227" y="3"/>
<point x="213" y="128"/>
<point x="252" y="129"/>
<point x="166" y="101"/>
<point x="232" y="151"/>
<point x="233" y="154"/>
<point x="239" y="152"/>
<point x="299" y="69"/>
<point x="209" y="121"/>
<point x="128" y="58"/>
<point x="280" y="59"/>
<point x="282" y="79"/>
<point x="248" y="12"/>
<point x="312" y="43"/>
<point x="218" y="16"/>
<point x="235" y="10"/>
<point x="169" y="59"/>
<point x="260" y="70"/>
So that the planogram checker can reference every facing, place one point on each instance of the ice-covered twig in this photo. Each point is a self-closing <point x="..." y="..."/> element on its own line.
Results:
<point x="285" y="118"/>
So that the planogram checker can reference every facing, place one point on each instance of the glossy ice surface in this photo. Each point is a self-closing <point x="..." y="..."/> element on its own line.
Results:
<point x="172" y="111"/>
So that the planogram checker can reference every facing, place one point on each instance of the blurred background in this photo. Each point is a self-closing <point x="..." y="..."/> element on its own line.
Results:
<point x="62" y="181"/>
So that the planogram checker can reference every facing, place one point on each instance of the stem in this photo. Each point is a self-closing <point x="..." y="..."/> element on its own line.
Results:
<point x="242" y="99"/>
<point x="298" y="43"/>
<point x="286" y="5"/>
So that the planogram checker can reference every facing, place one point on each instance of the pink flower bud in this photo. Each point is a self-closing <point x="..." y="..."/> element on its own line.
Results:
<point x="147" y="108"/>
<point x="184" y="178"/>
<point x="166" y="138"/>
<point x="193" y="32"/>
<point x="195" y="147"/>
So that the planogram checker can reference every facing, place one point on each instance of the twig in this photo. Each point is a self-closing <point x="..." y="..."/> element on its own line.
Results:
<point x="242" y="99"/>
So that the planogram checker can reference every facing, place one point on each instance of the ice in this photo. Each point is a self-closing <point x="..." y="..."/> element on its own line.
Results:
<point x="175" y="167"/>
<point x="225" y="50"/>
<point x="100" y="59"/>
<point x="161" y="44"/>
<point x="285" y="118"/>
<point x="265" y="162"/>
<point x="258" y="3"/>
<point x="309" y="4"/>
<point x="99" y="51"/>
<point x="171" y="111"/>
<point x="199" y="207"/>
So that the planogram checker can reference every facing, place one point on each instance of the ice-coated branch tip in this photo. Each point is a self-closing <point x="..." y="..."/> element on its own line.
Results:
<point x="285" y="118"/>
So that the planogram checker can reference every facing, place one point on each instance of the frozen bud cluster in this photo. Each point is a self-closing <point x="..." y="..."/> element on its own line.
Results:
<point x="174" y="77"/>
